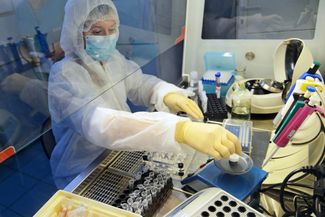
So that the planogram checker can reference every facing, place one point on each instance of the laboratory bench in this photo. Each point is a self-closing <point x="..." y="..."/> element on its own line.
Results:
<point x="108" y="176"/>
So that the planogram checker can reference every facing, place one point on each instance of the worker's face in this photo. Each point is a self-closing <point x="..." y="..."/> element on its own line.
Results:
<point x="102" y="28"/>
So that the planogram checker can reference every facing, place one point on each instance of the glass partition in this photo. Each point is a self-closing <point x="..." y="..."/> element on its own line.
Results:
<point x="148" y="30"/>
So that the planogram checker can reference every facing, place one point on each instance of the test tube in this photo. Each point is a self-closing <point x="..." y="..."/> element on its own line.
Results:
<point x="139" y="211"/>
<point x="125" y="206"/>
<point x="148" y="178"/>
<point x="149" y="199"/>
<point x="140" y="186"/>
<point x="144" y="194"/>
<point x="154" y="192"/>
<point x="135" y="205"/>
<point x="130" y="201"/>
<point x="131" y="183"/>
<point x="146" y="183"/>
<point x="138" y="175"/>
<point x="152" y="174"/>
<point x="145" y="204"/>
<point x="145" y="168"/>
<point x="132" y="195"/>
<point x="137" y="192"/>
<point x="218" y="85"/>
<point x="138" y="199"/>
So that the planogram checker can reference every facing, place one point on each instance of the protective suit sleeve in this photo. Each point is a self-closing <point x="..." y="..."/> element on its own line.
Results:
<point x="149" y="90"/>
<point x="119" y="130"/>
<point x="35" y="94"/>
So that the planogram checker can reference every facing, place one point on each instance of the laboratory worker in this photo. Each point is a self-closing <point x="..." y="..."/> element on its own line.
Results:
<point x="88" y="92"/>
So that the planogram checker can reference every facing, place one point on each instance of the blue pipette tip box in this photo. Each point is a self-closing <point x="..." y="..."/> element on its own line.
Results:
<point x="240" y="186"/>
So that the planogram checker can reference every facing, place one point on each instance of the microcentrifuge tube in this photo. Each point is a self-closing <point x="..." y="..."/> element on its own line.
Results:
<point x="149" y="199"/>
<point x="139" y="211"/>
<point x="131" y="183"/>
<point x="151" y="174"/>
<point x="146" y="183"/>
<point x="138" y="199"/>
<point x="146" y="168"/>
<point x="132" y="195"/>
<point x="137" y="192"/>
<point x="125" y="206"/>
<point x="140" y="186"/>
<point x="145" y="204"/>
<point x="144" y="194"/>
<point x="154" y="192"/>
<point x="135" y="205"/>
<point x="130" y="201"/>
<point x="138" y="176"/>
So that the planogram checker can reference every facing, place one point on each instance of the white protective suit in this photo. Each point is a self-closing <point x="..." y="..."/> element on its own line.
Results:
<point x="87" y="102"/>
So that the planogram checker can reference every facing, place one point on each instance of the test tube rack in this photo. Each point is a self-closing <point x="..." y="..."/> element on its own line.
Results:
<point x="109" y="182"/>
<point x="217" y="110"/>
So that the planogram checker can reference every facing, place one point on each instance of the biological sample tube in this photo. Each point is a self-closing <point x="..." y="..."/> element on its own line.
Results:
<point x="145" y="204"/>
<point x="132" y="195"/>
<point x="154" y="192"/>
<point x="135" y="205"/>
<point x="146" y="183"/>
<point x="138" y="199"/>
<point x="138" y="176"/>
<point x="140" y="186"/>
<point x="139" y="211"/>
<point x="151" y="174"/>
<point x="144" y="194"/>
<point x="218" y="84"/>
<point x="125" y="206"/>
<point x="131" y="183"/>
<point x="148" y="179"/>
<point x="149" y="199"/>
<point x="130" y="201"/>
<point x="156" y="181"/>
<point x="137" y="192"/>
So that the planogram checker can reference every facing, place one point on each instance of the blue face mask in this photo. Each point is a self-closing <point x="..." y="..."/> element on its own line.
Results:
<point x="100" y="48"/>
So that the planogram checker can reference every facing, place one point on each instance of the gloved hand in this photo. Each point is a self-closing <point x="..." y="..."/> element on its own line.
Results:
<point x="177" y="102"/>
<point x="210" y="139"/>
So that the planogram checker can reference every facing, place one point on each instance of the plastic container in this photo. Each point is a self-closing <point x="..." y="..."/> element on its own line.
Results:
<point x="241" y="103"/>
<point x="92" y="208"/>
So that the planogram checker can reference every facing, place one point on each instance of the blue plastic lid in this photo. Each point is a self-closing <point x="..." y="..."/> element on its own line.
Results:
<point x="218" y="74"/>
<point x="311" y="89"/>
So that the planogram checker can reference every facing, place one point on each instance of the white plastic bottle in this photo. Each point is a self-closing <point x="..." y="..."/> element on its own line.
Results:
<point x="194" y="79"/>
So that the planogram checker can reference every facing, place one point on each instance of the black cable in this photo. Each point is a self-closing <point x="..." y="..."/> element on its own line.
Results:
<point x="307" y="170"/>
<point x="279" y="184"/>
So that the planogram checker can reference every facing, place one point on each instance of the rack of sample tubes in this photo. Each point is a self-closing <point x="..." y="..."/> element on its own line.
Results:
<point x="123" y="180"/>
<point x="146" y="193"/>
<point x="176" y="165"/>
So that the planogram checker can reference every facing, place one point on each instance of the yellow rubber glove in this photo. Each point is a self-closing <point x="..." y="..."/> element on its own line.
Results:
<point x="179" y="103"/>
<point x="210" y="139"/>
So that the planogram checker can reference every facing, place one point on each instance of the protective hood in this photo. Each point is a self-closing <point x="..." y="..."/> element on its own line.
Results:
<point x="76" y="14"/>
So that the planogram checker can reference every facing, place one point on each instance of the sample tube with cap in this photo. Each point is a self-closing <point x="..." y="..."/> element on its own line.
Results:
<point x="218" y="84"/>
<point x="131" y="183"/>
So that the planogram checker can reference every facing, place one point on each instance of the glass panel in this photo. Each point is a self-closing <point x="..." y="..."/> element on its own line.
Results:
<point x="148" y="31"/>
<point x="259" y="19"/>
